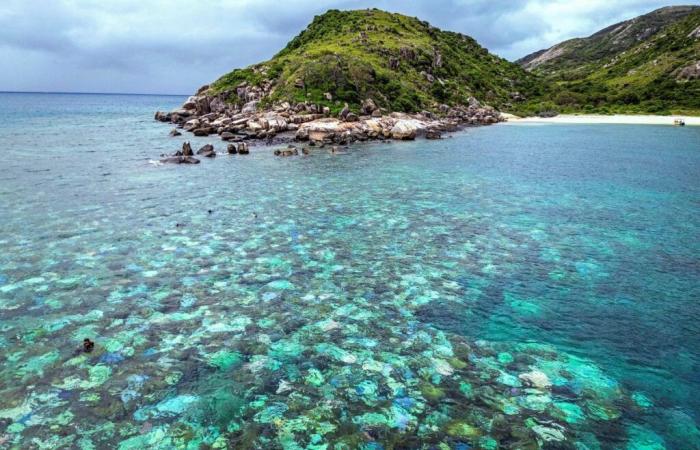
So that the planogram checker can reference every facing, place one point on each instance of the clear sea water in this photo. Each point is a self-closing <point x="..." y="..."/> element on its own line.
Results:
<point x="511" y="286"/>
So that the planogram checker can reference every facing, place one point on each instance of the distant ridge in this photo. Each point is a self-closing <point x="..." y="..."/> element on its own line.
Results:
<point x="650" y="63"/>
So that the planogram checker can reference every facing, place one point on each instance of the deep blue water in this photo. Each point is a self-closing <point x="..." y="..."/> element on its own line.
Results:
<point x="388" y="296"/>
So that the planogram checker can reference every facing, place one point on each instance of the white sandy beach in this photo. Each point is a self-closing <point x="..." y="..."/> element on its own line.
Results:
<point x="611" y="119"/>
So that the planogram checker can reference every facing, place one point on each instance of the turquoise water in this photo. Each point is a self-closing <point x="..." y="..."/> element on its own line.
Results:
<point x="510" y="287"/>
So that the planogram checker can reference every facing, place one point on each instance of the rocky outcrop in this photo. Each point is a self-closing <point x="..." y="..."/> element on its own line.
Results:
<point x="404" y="130"/>
<point x="691" y="72"/>
<point x="695" y="34"/>
<point x="236" y="117"/>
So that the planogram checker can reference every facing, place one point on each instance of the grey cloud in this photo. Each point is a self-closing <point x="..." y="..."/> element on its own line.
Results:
<point x="177" y="45"/>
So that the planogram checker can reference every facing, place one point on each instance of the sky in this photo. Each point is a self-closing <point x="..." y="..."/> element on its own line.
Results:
<point x="175" y="46"/>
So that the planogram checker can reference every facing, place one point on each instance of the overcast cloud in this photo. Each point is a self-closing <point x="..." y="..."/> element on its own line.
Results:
<point x="174" y="46"/>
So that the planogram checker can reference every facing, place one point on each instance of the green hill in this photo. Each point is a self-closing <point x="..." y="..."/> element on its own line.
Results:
<point x="647" y="64"/>
<point x="402" y="63"/>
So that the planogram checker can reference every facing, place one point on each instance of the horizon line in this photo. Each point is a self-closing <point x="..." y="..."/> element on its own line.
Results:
<point x="90" y="93"/>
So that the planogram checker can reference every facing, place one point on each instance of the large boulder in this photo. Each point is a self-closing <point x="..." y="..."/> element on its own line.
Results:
<point x="162" y="116"/>
<point x="404" y="130"/>
<point x="227" y="136"/>
<point x="187" y="149"/>
<point x="345" y="111"/>
<point x="204" y="131"/>
<point x="190" y="103"/>
<point x="231" y="149"/>
<point x="243" y="148"/>
<point x="207" y="151"/>
<point x="250" y="107"/>
<point x="368" y="106"/>
<point x="276" y="123"/>
<point x="256" y="125"/>
<point x="319" y="130"/>
<point x="174" y="133"/>
<point x="191" y="125"/>
<point x="202" y="105"/>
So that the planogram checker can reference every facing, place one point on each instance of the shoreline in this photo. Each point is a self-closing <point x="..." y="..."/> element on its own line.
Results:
<point x="619" y="119"/>
<point x="240" y="123"/>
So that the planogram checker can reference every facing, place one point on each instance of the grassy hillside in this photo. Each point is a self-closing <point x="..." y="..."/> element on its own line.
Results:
<point x="400" y="62"/>
<point x="645" y="65"/>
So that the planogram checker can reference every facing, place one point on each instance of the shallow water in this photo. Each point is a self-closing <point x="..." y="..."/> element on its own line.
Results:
<point x="513" y="286"/>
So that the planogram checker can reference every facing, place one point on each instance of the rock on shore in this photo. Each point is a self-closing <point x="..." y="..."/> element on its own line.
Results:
<point x="236" y="116"/>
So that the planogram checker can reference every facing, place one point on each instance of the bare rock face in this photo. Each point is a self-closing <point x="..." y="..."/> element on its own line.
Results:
<point x="437" y="59"/>
<point x="691" y="72"/>
<point x="695" y="34"/>
<point x="250" y="107"/>
<point x="407" y="53"/>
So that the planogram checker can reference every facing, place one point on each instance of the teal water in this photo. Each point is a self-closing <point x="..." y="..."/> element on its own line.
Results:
<point x="510" y="287"/>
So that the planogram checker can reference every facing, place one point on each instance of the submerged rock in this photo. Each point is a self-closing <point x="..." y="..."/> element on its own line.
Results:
<point x="180" y="160"/>
<point x="289" y="151"/>
<point x="536" y="379"/>
<point x="207" y="151"/>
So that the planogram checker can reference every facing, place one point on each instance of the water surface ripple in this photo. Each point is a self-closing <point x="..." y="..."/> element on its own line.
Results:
<point x="509" y="287"/>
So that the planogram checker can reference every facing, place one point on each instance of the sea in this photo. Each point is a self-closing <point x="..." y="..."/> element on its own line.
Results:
<point x="511" y="286"/>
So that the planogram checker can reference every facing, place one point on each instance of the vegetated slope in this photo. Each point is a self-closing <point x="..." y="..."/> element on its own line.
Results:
<point x="402" y="63"/>
<point x="647" y="64"/>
